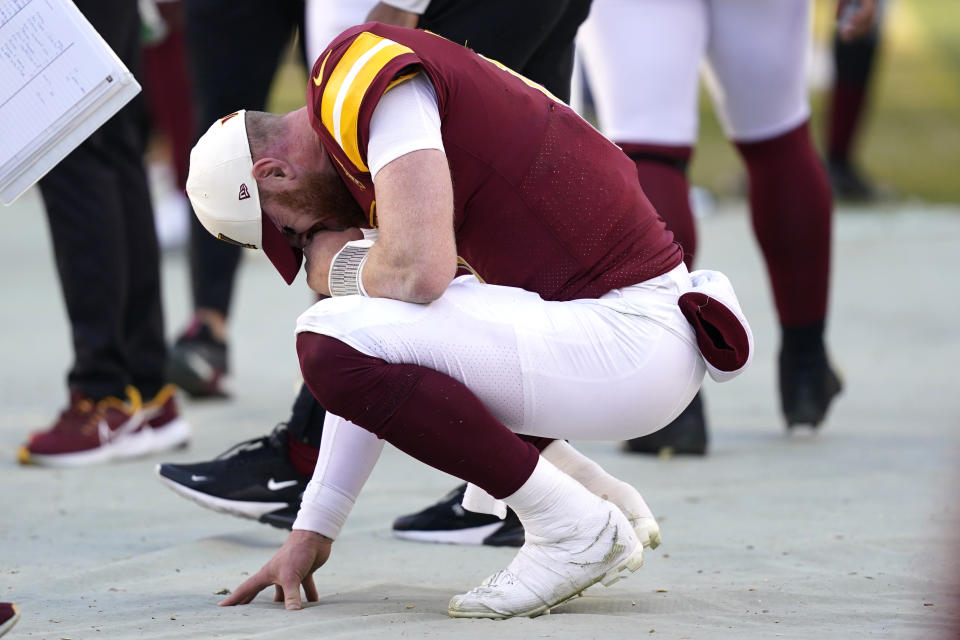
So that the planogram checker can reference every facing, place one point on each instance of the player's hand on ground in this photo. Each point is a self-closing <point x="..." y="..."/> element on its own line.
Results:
<point x="292" y="566"/>
<point x="856" y="18"/>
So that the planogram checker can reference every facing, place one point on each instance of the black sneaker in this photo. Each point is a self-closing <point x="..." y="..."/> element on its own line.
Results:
<point x="686" y="435"/>
<point x="198" y="362"/>
<point x="447" y="521"/>
<point x="282" y="518"/>
<point x="250" y="479"/>
<point x="807" y="386"/>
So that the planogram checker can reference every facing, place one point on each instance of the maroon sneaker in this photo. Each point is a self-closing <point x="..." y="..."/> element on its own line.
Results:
<point x="9" y="614"/>
<point x="89" y="432"/>
<point x="167" y="430"/>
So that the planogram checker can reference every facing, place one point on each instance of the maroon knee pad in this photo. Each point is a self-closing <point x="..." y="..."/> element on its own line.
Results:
<point x="363" y="389"/>
<point x="422" y="412"/>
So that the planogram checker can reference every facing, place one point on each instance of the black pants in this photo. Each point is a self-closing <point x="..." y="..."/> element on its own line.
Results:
<point x="234" y="48"/>
<point x="104" y="242"/>
<point x="533" y="37"/>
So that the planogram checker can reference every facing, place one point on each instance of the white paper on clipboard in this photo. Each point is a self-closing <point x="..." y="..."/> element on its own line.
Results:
<point x="59" y="82"/>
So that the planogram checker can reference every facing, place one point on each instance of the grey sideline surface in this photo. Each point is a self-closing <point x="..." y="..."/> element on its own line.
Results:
<point x="849" y="533"/>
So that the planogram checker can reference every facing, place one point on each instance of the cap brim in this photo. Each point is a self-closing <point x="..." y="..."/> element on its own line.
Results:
<point x="285" y="258"/>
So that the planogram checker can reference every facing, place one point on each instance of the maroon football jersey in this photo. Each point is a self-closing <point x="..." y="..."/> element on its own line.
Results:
<point x="542" y="201"/>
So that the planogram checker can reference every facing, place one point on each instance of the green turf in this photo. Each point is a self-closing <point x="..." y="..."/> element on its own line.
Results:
<point x="910" y="141"/>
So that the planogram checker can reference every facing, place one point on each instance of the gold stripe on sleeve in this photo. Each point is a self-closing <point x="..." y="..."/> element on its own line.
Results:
<point x="348" y="83"/>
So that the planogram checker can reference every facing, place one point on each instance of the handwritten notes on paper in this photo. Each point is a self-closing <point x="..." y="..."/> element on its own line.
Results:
<point x="58" y="80"/>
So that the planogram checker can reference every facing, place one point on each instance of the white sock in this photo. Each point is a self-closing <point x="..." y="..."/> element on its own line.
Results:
<point x="479" y="501"/>
<point x="551" y="502"/>
<point x="565" y="458"/>
<point x="597" y="481"/>
<point x="579" y="467"/>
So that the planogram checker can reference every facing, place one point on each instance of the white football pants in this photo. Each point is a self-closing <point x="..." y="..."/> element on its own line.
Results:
<point x="601" y="369"/>
<point x="643" y="60"/>
<point x="612" y="368"/>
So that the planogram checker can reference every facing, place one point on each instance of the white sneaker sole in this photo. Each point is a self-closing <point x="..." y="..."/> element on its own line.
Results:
<point x="175" y="433"/>
<point x="250" y="510"/>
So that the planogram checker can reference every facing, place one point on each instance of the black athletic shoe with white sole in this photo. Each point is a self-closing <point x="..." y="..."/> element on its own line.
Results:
<point x="249" y="480"/>
<point x="448" y="522"/>
<point x="282" y="518"/>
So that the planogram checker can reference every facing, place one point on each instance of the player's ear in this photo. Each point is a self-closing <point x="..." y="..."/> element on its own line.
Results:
<point x="271" y="172"/>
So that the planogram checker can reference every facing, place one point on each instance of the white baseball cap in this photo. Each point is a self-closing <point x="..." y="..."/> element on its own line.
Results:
<point x="225" y="197"/>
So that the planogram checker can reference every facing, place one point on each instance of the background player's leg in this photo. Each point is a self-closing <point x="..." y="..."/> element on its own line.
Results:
<point x="642" y="59"/>
<point x="761" y="94"/>
<point x="662" y="170"/>
<point x="854" y="63"/>
<point x="86" y="202"/>
<point x="101" y="221"/>
<point x="551" y="63"/>
<point x="791" y="212"/>
<point x="143" y="328"/>
<point x="234" y="50"/>
<point x="534" y="38"/>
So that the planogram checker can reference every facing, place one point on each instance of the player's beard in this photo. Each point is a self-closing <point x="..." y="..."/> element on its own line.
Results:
<point x="326" y="198"/>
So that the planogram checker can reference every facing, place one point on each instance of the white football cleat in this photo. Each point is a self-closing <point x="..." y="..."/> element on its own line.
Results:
<point x="547" y="572"/>
<point x="633" y="506"/>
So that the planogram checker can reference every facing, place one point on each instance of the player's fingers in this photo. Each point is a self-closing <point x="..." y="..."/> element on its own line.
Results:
<point x="246" y="591"/>
<point x="310" y="588"/>
<point x="291" y="600"/>
<point x="277" y="593"/>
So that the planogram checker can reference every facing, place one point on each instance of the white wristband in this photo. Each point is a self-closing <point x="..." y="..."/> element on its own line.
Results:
<point x="346" y="268"/>
<point x="323" y="510"/>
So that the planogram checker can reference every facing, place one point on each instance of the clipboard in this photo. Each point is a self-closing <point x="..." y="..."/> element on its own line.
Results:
<point x="59" y="82"/>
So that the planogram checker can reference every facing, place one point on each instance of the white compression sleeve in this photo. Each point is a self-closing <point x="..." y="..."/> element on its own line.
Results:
<point x="348" y="454"/>
<point x="405" y="120"/>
